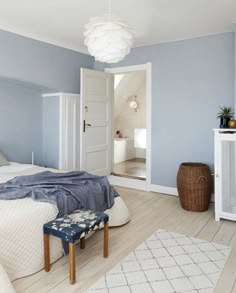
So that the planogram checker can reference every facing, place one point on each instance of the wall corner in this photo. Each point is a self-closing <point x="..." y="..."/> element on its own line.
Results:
<point x="234" y="30"/>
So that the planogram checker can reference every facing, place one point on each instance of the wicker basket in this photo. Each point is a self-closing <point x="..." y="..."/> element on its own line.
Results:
<point x="194" y="185"/>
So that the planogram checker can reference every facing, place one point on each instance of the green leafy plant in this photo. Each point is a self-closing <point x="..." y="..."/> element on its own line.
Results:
<point x="225" y="112"/>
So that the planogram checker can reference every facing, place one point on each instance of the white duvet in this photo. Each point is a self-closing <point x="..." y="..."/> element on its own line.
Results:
<point x="21" y="234"/>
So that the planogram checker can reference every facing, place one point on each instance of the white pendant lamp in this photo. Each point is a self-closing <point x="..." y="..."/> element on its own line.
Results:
<point x="108" y="39"/>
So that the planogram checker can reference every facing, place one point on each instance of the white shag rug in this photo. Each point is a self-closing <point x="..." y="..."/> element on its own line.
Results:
<point x="167" y="262"/>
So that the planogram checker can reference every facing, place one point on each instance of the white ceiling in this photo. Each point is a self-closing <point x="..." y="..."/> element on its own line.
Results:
<point x="61" y="22"/>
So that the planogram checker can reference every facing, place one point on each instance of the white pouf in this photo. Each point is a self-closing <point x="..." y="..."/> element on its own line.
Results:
<point x="5" y="284"/>
<point x="119" y="213"/>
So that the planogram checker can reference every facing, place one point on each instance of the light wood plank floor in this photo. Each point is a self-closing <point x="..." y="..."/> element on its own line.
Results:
<point x="150" y="211"/>
<point x="135" y="168"/>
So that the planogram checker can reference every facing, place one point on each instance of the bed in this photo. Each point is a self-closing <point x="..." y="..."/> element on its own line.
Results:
<point x="21" y="224"/>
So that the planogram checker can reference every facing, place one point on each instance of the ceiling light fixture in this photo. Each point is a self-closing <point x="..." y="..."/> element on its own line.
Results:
<point x="108" y="39"/>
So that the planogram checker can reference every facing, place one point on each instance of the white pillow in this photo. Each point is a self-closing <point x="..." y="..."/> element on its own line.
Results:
<point x="3" y="160"/>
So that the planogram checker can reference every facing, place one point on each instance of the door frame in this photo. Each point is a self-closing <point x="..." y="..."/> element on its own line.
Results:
<point x="127" y="182"/>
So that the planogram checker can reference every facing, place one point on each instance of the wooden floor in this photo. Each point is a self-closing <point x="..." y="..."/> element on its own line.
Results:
<point x="135" y="168"/>
<point x="150" y="211"/>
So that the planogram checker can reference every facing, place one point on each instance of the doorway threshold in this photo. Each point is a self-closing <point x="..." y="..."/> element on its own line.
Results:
<point x="128" y="176"/>
<point x="128" y="182"/>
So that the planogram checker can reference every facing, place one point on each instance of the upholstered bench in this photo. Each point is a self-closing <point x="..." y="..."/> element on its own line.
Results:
<point x="71" y="228"/>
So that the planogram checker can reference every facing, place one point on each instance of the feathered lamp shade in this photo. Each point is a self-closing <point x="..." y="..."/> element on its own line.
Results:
<point x="108" y="40"/>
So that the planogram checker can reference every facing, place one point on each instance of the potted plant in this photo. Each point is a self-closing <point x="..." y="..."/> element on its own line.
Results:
<point x="225" y="114"/>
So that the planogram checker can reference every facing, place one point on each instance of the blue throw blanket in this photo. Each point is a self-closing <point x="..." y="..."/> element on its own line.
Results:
<point x="68" y="191"/>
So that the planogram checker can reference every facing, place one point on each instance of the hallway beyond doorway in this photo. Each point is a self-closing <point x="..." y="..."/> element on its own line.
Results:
<point x="134" y="168"/>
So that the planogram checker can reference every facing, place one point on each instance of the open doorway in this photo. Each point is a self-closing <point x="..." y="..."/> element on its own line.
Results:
<point x="97" y="124"/>
<point x="130" y="125"/>
<point x="137" y="100"/>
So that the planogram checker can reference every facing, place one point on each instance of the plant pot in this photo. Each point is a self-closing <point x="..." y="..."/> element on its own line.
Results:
<point x="232" y="124"/>
<point x="224" y="122"/>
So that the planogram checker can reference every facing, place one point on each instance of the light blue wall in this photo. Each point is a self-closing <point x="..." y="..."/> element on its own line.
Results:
<point x="20" y="121"/>
<point x="32" y="64"/>
<point x="235" y="70"/>
<point x="190" y="79"/>
<point x="40" y="63"/>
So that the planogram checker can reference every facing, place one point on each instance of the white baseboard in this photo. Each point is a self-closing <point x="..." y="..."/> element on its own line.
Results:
<point x="171" y="191"/>
<point x="164" y="189"/>
<point x="142" y="185"/>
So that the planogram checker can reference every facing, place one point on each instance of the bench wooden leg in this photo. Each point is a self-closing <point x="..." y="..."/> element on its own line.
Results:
<point x="46" y="252"/>
<point x="82" y="243"/>
<point x="105" y="244"/>
<point x="72" y="262"/>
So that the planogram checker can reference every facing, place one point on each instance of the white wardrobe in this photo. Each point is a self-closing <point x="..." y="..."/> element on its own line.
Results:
<point x="225" y="174"/>
<point x="61" y="126"/>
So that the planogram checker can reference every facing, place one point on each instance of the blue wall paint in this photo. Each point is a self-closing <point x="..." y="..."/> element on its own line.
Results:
<point x="235" y="69"/>
<point x="32" y="64"/>
<point x="20" y="121"/>
<point x="41" y="63"/>
<point x="190" y="79"/>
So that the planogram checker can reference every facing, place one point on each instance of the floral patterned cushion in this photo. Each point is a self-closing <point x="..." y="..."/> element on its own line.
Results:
<point x="74" y="226"/>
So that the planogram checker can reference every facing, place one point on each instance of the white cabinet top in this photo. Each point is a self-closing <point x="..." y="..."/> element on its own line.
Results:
<point x="225" y="134"/>
<point x="223" y="130"/>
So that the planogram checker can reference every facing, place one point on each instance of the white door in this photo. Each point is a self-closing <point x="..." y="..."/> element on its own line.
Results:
<point x="96" y="94"/>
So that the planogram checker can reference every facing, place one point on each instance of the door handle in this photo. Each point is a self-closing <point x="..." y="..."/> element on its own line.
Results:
<point x="86" y="124"/>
